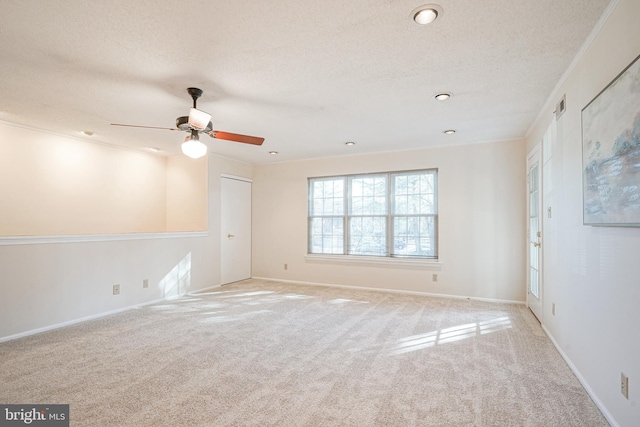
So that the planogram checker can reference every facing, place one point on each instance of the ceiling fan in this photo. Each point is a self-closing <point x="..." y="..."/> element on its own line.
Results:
<point x="198" y="122"/>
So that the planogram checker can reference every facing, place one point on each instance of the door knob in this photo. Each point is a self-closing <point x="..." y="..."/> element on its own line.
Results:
<point x="229" y="236"/>
<point x="537" y="244"/>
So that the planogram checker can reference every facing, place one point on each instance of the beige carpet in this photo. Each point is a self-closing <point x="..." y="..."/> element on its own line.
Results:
<point x="264" y="353"/>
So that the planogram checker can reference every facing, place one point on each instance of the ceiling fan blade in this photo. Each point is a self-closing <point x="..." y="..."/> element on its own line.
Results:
<point x="246" y="139"/>
<point x="144" y="127"/>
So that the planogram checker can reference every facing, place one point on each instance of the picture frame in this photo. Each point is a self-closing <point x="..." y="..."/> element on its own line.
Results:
<point x="611" y="152"/>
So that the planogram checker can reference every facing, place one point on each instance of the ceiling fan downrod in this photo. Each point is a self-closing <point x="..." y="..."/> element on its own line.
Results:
<point x="195" y="94"/>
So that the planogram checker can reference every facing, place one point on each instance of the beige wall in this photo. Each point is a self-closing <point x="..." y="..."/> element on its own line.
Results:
<point x="186" y="194"/>
<point x="46" y="285"/>
<point x="53" y="185"/>
<point x="481" y="198"/>
<point x="591" y="273"/>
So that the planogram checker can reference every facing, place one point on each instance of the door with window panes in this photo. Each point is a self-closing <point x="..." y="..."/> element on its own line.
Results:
<point x="534" y="234"/>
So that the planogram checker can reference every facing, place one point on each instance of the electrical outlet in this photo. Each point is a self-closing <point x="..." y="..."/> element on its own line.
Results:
<point x="286" y="266"/>
<point x="553" y="309"/>
<point x="624" y="385"/>
<point x="434" y="277"/>
<point x="116" y="289"/>
<point x="145" y="283"/>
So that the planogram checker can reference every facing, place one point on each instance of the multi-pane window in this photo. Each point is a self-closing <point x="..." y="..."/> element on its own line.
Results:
<point x="383" y="214"/>
<point x="326" y="226"/>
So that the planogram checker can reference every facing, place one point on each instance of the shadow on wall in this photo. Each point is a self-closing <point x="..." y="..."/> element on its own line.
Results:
<point x="177" y="281"/>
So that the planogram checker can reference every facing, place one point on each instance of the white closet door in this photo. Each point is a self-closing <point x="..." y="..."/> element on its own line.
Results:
<point x="236" y="230"/>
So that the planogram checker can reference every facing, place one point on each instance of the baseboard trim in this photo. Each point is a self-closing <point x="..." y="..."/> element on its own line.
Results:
<point x="396" y="291"/>
<point x="582" y="380"/>
<point x="82" y="319"/>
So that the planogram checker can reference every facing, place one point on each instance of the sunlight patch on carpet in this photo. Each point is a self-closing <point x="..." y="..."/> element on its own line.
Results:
<point x="452" y="334"/>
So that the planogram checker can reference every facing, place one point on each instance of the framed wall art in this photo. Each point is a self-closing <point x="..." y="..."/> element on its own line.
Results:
<point x="611" y="152"/>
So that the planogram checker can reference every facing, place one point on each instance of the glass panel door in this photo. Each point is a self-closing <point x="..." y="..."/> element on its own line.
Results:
<point x="534" y="233"/>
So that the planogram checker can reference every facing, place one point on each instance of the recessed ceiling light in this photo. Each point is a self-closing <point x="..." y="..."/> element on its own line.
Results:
<point x="349" y="143"/>
<point x="87" y="133"/>
<point x="426" y="14"/>
<point x="442" y="96"/>
<point x="154" y="149"/>
<point x="273" y="153"/>
<point x="449" y="131"/>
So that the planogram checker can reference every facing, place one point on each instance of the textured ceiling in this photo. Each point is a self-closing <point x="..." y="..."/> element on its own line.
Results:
<point x="305" y="75"/>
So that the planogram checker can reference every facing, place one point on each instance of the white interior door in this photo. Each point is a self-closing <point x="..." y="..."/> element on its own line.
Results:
<point x="235" y="245"/>
<point x="534" y="233"/>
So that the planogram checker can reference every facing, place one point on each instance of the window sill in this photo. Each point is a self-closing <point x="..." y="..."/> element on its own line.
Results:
<point x="426" y="264"/>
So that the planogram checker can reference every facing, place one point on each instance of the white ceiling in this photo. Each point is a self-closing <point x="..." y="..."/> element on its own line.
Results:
<point x="305" y="75"/>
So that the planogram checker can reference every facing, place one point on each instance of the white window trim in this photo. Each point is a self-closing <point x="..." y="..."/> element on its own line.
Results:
<point x="418" y="263"/>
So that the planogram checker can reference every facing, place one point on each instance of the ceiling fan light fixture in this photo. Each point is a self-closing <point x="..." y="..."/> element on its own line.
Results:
<point x="426" y="14"/>
<point x="192" y="147"/>
<point x="195" y="123"/>
<point x="199" y="119"/>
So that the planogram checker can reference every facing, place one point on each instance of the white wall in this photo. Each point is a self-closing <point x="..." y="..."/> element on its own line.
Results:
<point x="591" y="274"/>
<point x="43" y="285"/>
<point x="481" y="199"/>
